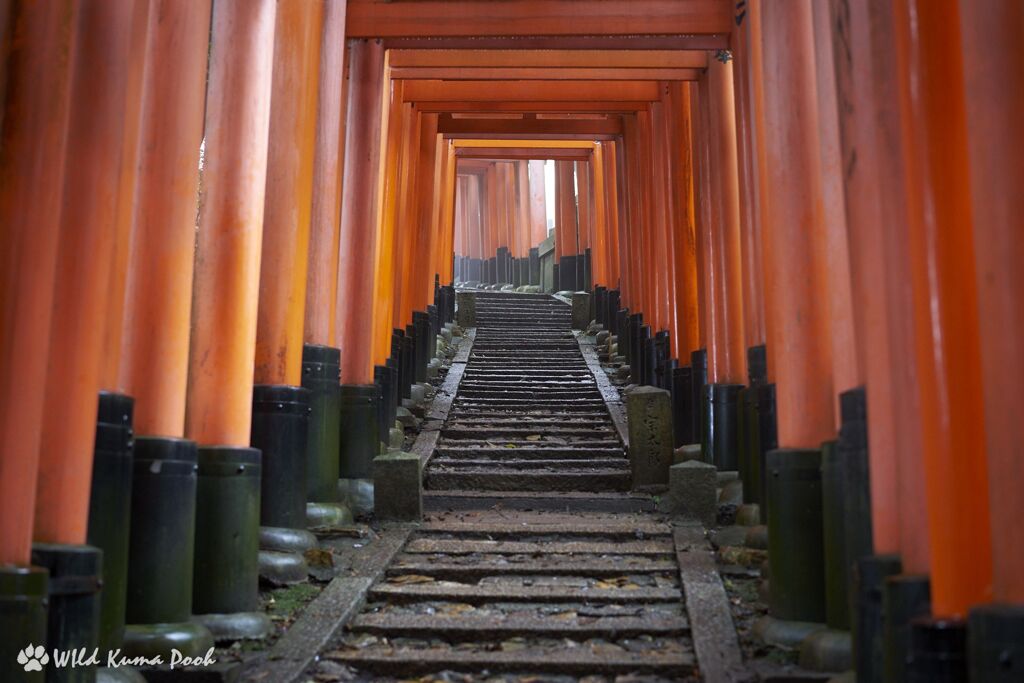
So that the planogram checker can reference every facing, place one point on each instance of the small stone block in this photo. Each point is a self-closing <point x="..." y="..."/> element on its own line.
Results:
<point x="466" y="309"/>
<point x="580" y="310"/>
<point x="398" y="493"/>
<point x="691" y="491"/>
<point x="649" y="413"/>
<point x="687" y="452"/>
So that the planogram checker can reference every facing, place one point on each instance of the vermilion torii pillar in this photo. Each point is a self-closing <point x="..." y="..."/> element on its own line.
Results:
<point x="280" y="404"/>
<point x="223" y="342"/>
<point x="288" y="202"/>
<point x="321" y="309"/>
<point x="993" y="56"/>
<point x="358" y="210"/>
<point x="947" y="351"/>
<point x="154" y="364"/>
<point x="726" y="353"/>
<point x="88" y="209"/>
<point x="34" y="121"/>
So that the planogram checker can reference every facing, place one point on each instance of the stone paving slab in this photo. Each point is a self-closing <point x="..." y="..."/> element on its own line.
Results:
<point x="714" y="634"/>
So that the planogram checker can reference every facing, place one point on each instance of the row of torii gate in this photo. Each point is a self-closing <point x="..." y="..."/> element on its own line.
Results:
<point x="836" y="182"/>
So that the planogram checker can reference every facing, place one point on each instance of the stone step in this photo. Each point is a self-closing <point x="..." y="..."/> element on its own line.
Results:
<point x="510" y="479"/>
<point x="476" y="594"/>
<point x="465" y="547"/>
<point x="560" y="660"/>
<point x="477" y="629"/>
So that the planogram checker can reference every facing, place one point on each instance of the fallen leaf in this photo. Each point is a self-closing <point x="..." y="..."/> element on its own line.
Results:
<point x="410" y="578"/>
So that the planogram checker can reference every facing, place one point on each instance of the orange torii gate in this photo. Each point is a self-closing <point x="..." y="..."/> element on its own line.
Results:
<point x="817" y="225"/>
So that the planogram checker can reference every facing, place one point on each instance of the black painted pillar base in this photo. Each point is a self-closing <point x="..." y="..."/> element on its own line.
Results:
<point x="23" y="606"/>
<point x="767" y="438"/>
<point x="225" y="591"/>
<point x="870" y="574"/>
<point x="75" y="575"/>
<point x="699" y="370"/>
<point x="795" y="552"/>
<point x="904" y="598"/>
<point x="321" y="368"/>
<point x="280" y="430"/>
<point x="110" y="506"/>
<point x="682" y="406"/>
<point x="938" y="651"/>
<point x="720" y="444"/>
<point x="360" y="443"/>
<point x="995" y="643"/>
<point x="161" y="551"/>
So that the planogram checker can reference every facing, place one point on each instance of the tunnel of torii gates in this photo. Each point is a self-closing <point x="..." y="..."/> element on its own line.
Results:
<point x="799" y="216"/>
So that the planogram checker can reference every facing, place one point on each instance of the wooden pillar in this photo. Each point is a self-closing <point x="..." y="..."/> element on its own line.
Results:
<point x="701" y="198"/>
<point x="33" y="119"/>
<point x="993" y="57"/>
<point x="158" y="305"/>
<point x="799" y="363"/>
<point x="944" y="289"/>
<point x="684" y="239"/>
<point x="726" y="352"/>
<point x="599" y="248"/>
<point x="321" y="310"/>
<point x="85" y="251"/>
<point x="448" y="208"/>
<point x="392" y="140"/>
<point x="524" y="207"/>
<point x="427" y="258"/>
<point x="288" y="199"/>
<point x="113" y="326"/>
<point x="358" y="210"/>
<point x="745" y="61"/>
<point x="565" y="216"/>
<point x="227" y="277"/>
<point x="845" y="373"/>
<point x="870" y="132"/>
<point x="613" y="211"/>
<point x="538" y="204"/>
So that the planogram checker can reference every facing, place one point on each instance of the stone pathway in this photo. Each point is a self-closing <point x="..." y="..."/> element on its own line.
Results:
<point x="537" y="595"/>
<point x="528" y="415"/>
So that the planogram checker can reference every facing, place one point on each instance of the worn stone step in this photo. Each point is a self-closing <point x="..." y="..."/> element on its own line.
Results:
<point x="465" y="547"/>
<point x="474" y="594"/>
<point x="552" y="565"/>
<point x="502" y="479"/>
<point x="477" y="629"/>
<point x="530" y="464"/>
<point x="606" y="529"/>
<point x="449" y="451"/>
<point x="497" y="431"/>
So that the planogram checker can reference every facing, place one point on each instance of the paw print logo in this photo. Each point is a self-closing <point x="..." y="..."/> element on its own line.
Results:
<point x="33" y="658"/>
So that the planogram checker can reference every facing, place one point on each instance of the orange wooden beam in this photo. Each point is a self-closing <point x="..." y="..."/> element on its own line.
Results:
<point x="474" y="18"/>
<point x="531" y="73"/>
<point x="529" y="128"/>
<point x="530" y="91"/>
<point x="561" y="59"/>
<point x="591" y="106"/>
